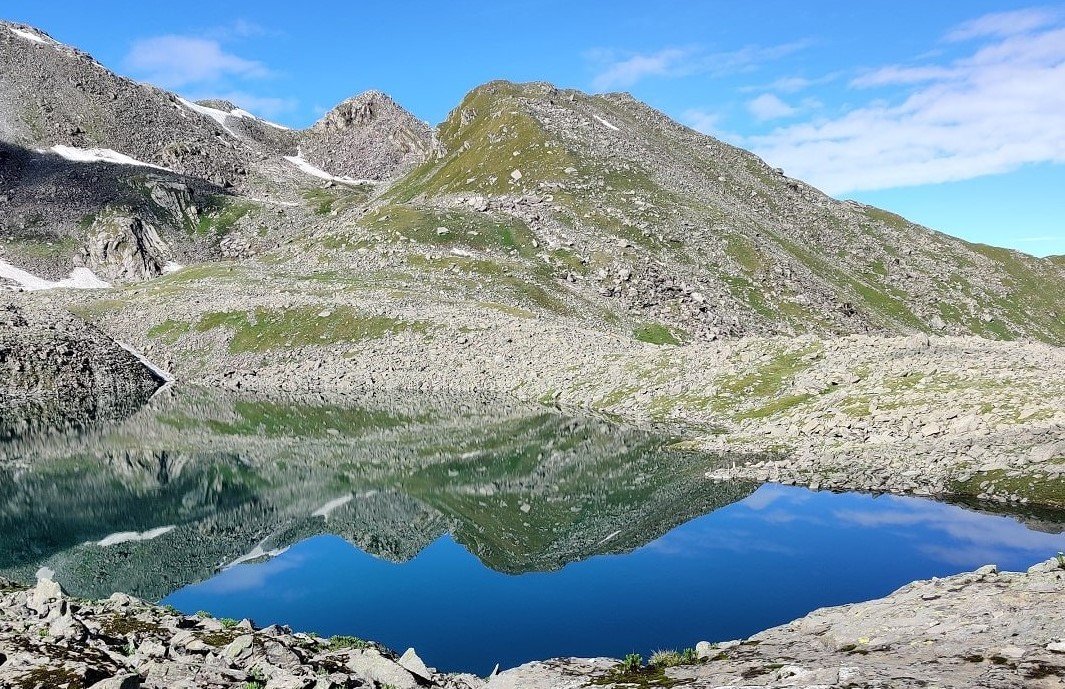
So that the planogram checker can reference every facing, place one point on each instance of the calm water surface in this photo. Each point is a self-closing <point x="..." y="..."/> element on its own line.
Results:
<point x="760" y="562"/>
<point x="478" y="532"/>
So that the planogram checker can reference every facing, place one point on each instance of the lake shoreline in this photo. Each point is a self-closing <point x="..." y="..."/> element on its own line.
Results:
<point x="958" y="631"/>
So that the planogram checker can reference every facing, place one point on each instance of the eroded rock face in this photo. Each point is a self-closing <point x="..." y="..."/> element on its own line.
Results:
<point x="174" y="197"/>
<point x="368" y="137"/>
<point x="123" y="248"/>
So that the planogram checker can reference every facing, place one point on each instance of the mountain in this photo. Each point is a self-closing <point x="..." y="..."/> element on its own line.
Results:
<point x="97" y="170"/>
<point x="368" y="137"/>
<point x="597" y="208"/>
<point x="707" y="238"/>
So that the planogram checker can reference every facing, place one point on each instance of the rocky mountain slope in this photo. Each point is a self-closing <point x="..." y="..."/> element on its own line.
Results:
<point x="368" y="137"/>
<point x="87" y="153"/>
<point x="682" y="229"/>
<point x="594" y="207"/>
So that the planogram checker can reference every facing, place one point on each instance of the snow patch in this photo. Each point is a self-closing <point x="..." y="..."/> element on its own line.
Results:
<point x="605" y="123"/>
<point x="220" y="116"/>
<point x="256" y="553"/>
<point x="132" y="536"/>
<point x="172" y="267"/>
<point x="27" y="35"/>
<point x="96" y="155"/>
<point x="313" y="171"/>
<point x="328" y="507"/>
<point x="80" y="278"/>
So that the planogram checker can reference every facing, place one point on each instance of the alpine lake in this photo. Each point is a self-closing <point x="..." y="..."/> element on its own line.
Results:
<point x="480" y="532"/>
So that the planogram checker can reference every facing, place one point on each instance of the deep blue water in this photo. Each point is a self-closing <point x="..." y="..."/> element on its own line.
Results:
<point x="768" y="559"/>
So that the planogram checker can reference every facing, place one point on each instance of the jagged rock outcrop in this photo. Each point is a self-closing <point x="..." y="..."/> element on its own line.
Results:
<point x="124" y="248"/>
<point x="369" y="136"/>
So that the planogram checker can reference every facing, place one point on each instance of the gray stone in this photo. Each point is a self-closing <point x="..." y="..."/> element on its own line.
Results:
<point x="127" y="681"/>
<point x="413" y="664"/>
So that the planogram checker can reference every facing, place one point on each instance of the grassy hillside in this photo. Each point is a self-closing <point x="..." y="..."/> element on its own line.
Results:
<point x="657" y="223"/>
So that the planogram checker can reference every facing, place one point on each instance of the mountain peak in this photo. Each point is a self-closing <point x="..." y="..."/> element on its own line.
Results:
<point x="368" y="136"/>
<point x="29" y="33"/>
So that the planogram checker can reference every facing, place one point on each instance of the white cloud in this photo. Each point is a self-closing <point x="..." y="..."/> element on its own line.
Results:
<point x="1000" y="107"/>
<point x="623" y="72"/>
<point x="701" y="120"/>
<point x="179" y="61"/>
<point x="1004" y="24"/>
<point x="626" y="72"/>
<point x="769" y="107"/>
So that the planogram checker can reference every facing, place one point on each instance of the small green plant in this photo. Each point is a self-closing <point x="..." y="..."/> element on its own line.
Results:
<point x="203" y="615"/>
<point x="1061" y="560"/>
<point x="337" y="643"/>
<point x="228" y="622"/>
<point x="632" y="664"/>
<point x="664" y="659"/>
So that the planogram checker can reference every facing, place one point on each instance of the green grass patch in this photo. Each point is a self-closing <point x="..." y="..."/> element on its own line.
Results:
<point x="169" y="331"/>
<point x="655" y="333"/>
<point x="220" y="214"/>
<point x="767" y="380"/>
<point x="450" y="229"/>
<point x="338" y="198"/>
<point x="266" y="329"/>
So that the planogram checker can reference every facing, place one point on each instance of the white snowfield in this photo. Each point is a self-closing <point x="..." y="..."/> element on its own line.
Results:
<point x="80" y="278"/>
<point x="220" y="116"/>
<point x="95" y="155"/>
<point x="605" y="123"/>
<point x="133" y="536"/>
<point x="327" y="508"/>
<point x="313" y="171"/>
<point x="27" y="35"/>
<point x="256" y="553"/>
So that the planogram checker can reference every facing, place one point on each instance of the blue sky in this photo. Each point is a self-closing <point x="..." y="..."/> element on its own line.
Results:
<point x="950" y="113"/>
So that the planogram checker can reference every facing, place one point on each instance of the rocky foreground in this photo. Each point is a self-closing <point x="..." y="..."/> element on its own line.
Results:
<point x="981" y="629"/>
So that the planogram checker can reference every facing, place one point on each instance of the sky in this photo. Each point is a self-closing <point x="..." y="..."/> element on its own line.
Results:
<point x="949" y="113"/>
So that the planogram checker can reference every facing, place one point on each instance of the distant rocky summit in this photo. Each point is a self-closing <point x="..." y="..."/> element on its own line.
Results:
<point x="369" y="137"/>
